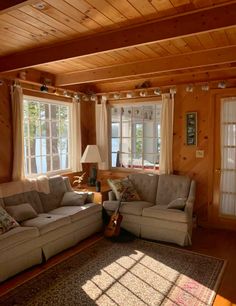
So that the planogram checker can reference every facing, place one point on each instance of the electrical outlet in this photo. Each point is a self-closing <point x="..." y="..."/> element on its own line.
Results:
<point x="199" y="153"/>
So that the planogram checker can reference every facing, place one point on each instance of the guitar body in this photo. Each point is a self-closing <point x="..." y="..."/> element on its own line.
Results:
<point x="113" y="228"/>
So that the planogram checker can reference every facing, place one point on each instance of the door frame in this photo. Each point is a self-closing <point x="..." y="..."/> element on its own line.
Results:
<point x="214" y="217"/>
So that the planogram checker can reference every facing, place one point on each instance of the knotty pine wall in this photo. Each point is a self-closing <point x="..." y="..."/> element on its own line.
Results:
<point x="184" y="157"/>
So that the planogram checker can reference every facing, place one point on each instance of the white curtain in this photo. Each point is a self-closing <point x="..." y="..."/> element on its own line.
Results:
<point x="76" y="137"/>
<point x="102" y="133"/>
<point x="18" y="172"/>
<point x="167" y="116"/>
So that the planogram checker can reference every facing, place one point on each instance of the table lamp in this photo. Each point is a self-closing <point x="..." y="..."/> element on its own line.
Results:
<point x="92" y="155"/>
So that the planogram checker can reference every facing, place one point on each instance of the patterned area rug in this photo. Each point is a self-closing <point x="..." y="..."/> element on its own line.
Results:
<point x="133" y="273"/>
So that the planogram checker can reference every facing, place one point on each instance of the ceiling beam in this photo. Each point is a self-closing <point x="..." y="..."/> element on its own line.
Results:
<point x="196" y="77"/>
<point x="197" y="59"/>
<point x="8" y="5"/>
<point x="187" y="24"/>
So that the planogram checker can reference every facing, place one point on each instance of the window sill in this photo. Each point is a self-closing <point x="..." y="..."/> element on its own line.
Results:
<point x="49" y="174"/>
<point x="131" y="170"/>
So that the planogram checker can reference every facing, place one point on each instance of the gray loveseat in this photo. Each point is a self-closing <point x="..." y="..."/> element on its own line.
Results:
<point x="54" y="228"/>
<point x="150" y="217"/>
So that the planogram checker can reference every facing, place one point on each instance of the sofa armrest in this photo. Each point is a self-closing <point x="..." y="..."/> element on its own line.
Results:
<point x="111" y="196"/>
<point x="190" y="200"/>
<point x="111" y="205"/>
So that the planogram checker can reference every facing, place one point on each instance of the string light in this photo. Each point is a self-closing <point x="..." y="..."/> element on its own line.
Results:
<point x="44" y="88"/>
<point x="221" y="85"/>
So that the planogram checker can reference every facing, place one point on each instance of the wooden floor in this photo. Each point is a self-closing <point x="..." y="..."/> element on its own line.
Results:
<point x="216" y="243"/>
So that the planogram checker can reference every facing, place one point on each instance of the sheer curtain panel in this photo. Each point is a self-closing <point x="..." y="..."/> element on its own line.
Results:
<point x="167" y="115"/>
<point x="102" y="133"/>
<point x="18" y="172"/>
<point x="76" y="137"/>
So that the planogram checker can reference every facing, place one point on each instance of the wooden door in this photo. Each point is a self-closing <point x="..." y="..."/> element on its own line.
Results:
<point x="224" y="193"/>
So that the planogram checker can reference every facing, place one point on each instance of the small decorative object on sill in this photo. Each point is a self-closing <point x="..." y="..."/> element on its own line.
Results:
<point x="98" y="186"/>
<point x="78" y="179"/>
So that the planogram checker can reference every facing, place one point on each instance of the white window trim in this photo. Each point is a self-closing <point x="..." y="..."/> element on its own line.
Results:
<point x="130" y="104"/>
<point x="51" y="101"/>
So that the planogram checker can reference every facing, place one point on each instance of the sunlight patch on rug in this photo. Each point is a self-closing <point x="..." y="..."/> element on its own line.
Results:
<point x="126" y="274"/>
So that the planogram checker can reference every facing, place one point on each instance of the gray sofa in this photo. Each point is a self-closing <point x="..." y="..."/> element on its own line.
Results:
<point x="55" y="228"/>
<point x="151" y="218"/>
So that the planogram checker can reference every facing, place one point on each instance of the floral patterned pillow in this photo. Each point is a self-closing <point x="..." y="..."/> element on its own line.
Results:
<point x="124" y="190"/>
<point x="6" y="221"/>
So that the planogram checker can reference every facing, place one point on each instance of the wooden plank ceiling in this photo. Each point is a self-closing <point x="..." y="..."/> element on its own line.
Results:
<point x="41" y="34"/>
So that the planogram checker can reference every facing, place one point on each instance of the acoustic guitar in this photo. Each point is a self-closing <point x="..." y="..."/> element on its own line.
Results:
<point x="113" y="227"/>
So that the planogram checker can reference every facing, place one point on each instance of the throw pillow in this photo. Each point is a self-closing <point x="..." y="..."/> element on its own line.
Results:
<point x="72" y="198"/>
<point x="6" y="221"/>
<point x="21" y="212"/>
<point x="124" y="190"/>
<point x="178" y="203"/>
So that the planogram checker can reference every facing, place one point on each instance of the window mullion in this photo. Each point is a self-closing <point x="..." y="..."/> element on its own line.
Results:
<point x="121" y="147"/>
<point x="142" y="137"/>
<point x="41" y="141"/>
<point x="132" y="136"/>
<point x="50" y="134"/>
<point x="29" y="151"/>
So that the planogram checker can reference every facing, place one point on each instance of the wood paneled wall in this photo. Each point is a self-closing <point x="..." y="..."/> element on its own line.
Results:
<point x="5" y="134"/>
<point x="184" y="156"/>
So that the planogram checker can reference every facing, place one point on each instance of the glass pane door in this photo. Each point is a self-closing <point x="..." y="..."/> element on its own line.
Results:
<point x="228" y="157"/>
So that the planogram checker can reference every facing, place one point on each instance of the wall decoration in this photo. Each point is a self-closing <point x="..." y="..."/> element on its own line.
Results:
<point x="191" y="128"/>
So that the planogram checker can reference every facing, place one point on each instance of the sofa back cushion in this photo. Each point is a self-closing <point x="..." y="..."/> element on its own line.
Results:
<point x="15" y="193"/>
<point x="146" y="185"/>
<point x="53" y="199"/>
<point x="171" y="187"/>
<point x="21" y="212"/>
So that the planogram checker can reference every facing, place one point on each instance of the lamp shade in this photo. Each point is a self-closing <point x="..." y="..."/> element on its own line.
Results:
<point x="91" y="155"/>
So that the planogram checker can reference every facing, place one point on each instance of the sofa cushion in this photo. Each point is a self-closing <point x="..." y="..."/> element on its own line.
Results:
<point x="146" y="185"/>
<point x="31" y="197"/>
<point x="71" y="198"/>
<point x="53" y="199"/>
<point x="124" y="188"/>
<point x="47" y="222"/>
<point x="132" y="208"/>
<point x="171" y="187"/>
<point x="6" y="221"/>
<point x="17" y="236"/>
<point x="163" y="213"/>
<point x="178" y="203"/>
<point x="77" y="212"/>
<point x="21" y="212"/>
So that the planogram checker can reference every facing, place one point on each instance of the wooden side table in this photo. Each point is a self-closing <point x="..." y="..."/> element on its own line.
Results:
<point x="100" y="196"/>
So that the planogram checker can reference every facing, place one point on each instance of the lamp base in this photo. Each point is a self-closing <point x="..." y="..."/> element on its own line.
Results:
<point x="93" y="176"/>
<point x="91" y="181"/>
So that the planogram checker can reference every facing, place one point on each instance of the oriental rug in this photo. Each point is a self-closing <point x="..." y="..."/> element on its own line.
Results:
<point x="127" y="274"/>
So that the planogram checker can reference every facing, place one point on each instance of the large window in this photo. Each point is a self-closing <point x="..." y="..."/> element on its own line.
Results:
<point x="135" y="136"/>
<point x="46" y="136"/>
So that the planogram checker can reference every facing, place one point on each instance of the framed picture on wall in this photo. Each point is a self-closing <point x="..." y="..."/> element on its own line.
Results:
<point x="191" y="128"/>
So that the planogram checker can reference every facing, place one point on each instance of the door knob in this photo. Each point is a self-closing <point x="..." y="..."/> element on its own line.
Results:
<point x="218" y="170"/>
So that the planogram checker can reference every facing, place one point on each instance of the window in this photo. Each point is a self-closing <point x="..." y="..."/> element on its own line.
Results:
<point x="46" y="136"/>
<point x="135" y="136"/>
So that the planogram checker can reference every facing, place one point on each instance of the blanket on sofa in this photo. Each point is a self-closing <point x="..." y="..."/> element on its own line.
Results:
<point x="40" y="184"/>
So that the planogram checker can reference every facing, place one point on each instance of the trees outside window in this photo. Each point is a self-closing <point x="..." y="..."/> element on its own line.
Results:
<point x="135" y="136"/>
<point x="46" y="136"/>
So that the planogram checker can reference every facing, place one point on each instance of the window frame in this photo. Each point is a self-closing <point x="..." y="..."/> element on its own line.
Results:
<point x="48" y="101"/>
<point x="140" y="104"/>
